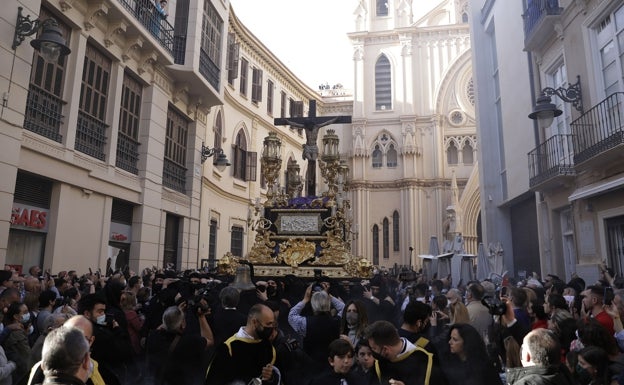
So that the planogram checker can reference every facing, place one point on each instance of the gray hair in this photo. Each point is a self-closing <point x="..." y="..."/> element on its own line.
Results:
<point x="64" y="350"/>
<point x="229" y="296"/>
<point x="320" y="302"/>
<point x="172" y="319"/>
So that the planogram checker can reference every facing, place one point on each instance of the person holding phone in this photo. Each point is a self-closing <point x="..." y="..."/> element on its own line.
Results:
<point x="593" y="305"/>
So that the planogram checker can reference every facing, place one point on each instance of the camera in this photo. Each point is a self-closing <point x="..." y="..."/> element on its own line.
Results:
<point x="496" y="307"/>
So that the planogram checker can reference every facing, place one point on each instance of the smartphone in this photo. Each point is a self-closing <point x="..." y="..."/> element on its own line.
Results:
<point x="608" y="296"/>
<point x="109" y="319"/>
<point x="503" y="291"/>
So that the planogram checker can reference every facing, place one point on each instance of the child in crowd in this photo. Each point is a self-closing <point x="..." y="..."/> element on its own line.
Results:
<point x="341" y="361"/>
<point x="364" y="371"/>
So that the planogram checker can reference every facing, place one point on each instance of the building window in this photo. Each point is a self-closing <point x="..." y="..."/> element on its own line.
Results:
<point x="377" y="157"/>
<point x="296" y="108"/>
<point x="256" y="86"/>
<point x="283" y="104"/>
<point x="467" y="153"/>
<point x="269" y="98"/>
<point x="244" y="66"/>
<point x="386" y="238"/>
<point x="210" y="52"/>
<point x="383" y="84"/>
<point x="212" y="244"/>
<point x="218" y="131"/>
<point x="129" y="118"/>
<point x="174" y="162"/>
<point x="451" y="154"/>
<point x="609" y="36"/>
<point x="391" y="156"/>
<point x="44" y="105"/>
<point x="375" y="245"/>
<point x="236" y="241"/>
<point x="244" y="161"/>
<point x="91" y="129"/>
<point x="382" y="7"/>
<point x="232" y="58"/>
<point x="395" y="231"/>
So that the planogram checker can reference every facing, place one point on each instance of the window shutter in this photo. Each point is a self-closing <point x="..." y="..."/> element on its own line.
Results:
<point x="252" y="161"/>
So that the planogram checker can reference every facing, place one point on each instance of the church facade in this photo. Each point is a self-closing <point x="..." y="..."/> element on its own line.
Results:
<point x="412" y="143"/>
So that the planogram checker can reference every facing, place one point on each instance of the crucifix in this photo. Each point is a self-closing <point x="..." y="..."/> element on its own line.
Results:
<point x="311" y="124"/>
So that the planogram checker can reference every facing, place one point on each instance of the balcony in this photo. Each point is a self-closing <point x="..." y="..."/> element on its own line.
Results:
<point x="539" y="17"/>
<point x="599" y="133"/>
<point x="174" y="176"/>
<point x="146" y="13"/>
<point x="43" y="113"/>
<point x="551" y="163"/>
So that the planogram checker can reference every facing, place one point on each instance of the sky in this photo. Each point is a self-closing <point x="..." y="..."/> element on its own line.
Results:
<point x="309" y="37"/>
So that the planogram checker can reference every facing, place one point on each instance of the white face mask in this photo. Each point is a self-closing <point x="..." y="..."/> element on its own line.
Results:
<point x="91" y="368"/>
<point x="31" y="329"/>
<point x="101" y="320"/>
<point x="25" y="317"/>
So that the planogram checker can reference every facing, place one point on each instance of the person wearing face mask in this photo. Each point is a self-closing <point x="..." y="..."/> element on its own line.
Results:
<point x="17" y="319"/>
<point x="65" y="357"/>
<point x="175" y="356"/>
<point x="248" y="354"/>
<point x="592" y="367"/>
<point x="112" y="347"/>
<point x="398" y="361"/>
<point x="353" y="322"/>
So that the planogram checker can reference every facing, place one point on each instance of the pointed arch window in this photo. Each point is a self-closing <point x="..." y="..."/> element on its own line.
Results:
<point x="218" y="131"/>
<point x="375" y="245"/>
<point x="467" y="153"/>
<point x="386" y="238"/>
<point x="391" y="156"/>
<point x="377" y="157"/>
<point x="244" y="161"/>
<point x="451" y="154"/>
<point x="395" y="231"/>
<point x="383" y="84"/>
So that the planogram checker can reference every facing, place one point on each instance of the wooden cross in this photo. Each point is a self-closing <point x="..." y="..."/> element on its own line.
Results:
<point x="311" y="124"/>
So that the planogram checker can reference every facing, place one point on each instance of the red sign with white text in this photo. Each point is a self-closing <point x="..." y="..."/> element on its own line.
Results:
<point x="29" y="217"/>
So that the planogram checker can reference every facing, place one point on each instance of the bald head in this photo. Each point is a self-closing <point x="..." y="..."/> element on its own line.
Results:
<point x="83" y="324"/>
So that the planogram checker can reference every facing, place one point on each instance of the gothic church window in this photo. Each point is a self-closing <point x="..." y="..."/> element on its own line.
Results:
<point x="451" y="154"/>
<point x="386" y="238"/>
<point x="377" y="157"/>
<point x="395" y="231"/>
<point x="383" y="85"/>
<point x="382" y="7"/>
<point x="391" y="156"/>
<point x="467" y="153"/>
<point x="375" y="245"/>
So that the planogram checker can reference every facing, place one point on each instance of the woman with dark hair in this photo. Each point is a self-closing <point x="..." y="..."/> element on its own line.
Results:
<point x="592" y="367"/>
<point x="18" y="320"/>
<point x="592" y="333"/>
<point x="563" y="325"/>
<point x="467" y="362"/>
<point x="353" y="322"/>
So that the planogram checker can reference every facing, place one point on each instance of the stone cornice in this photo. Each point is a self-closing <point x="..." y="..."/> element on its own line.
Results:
<point x="404" y="183"/>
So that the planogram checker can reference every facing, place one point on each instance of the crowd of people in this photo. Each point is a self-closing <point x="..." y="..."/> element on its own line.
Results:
<point x="165" y="327"/>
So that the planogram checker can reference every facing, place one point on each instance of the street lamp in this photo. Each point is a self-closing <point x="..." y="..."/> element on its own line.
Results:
<point x="50" y="43"/>
<point x="545" y="111"/>
<point x="221" y="162"/>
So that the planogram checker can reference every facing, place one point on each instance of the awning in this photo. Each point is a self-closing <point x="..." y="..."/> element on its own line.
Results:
<point x="597" y="188"/>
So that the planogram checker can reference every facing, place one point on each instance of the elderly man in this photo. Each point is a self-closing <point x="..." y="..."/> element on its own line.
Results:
<point x="248" y="354"/>
<point x="319" y="329"/>
<point x="540" y="355"/>
<point x="65" y="357"/>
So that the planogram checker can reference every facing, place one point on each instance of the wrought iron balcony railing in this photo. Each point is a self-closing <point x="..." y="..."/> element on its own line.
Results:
<point x="43" y="113"/>
<point x="208" y="69"/>
<point x="536" y="10"/>
<point x="174" y="176"/>
<point x="599" y="129"/>
<point x="146" y="13"/>
<point x="551" y="159"/>
<point x="127" y="153"/>
<point x="91" y="136"/>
